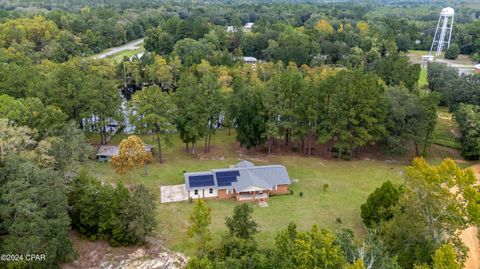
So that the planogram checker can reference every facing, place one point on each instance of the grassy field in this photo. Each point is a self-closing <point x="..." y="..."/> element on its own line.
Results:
<point x="349" y="182"/>
<point x="462" y="59"/>
<point x="422" y="81"/>
<point x="118" y="57"/>
<point x="128" y="50"/>
<point x="446" y="131"/>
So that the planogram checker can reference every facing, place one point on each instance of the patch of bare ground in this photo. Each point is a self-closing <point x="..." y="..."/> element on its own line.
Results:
<point x="99" y="254"/>
<point x="321" y="151"/>
<point x="470" y="238"/>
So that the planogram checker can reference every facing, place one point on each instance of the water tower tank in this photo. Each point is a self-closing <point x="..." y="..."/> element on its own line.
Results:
<point x="448" y="11"/>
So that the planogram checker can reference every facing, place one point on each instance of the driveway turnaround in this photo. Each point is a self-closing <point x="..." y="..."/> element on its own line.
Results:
<point x="173" y="193"/>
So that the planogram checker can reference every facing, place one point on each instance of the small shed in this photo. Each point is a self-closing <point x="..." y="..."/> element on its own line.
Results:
<point x="248" y="25"/>
<point x="427" y="58"/>
<point x="231" y="29"/>
<point x="105" y="152"/>
<point x="249" y="60"/>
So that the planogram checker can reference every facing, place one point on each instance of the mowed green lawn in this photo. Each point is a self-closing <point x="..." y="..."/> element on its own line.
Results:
<point x="127" y="53"/>
<point x="422" y="80"/>
<point x="350" y="182"/>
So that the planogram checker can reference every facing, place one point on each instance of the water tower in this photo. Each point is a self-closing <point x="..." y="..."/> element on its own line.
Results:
<point x="443" y="33"/>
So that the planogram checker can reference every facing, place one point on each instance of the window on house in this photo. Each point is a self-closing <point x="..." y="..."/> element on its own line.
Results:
<point x="195" y="192"/>
<point x="229" y="191"/>
<point x="210" y="191"/>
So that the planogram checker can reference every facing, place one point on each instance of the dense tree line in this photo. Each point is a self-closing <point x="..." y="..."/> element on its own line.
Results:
<point x="418" y="218"/>
<point x="300" y="32"/>
<point x="268" y="104"/>
<point x="60" y="35"/>
<point x="462" y="96"/>
<point x="335" y="76"/>
<point x="392" y="241"/>
<point x="34" y="173"/>
<point x="43" y="194"/>
<point x="100" y="211"/>
<point x="273" y="103"/>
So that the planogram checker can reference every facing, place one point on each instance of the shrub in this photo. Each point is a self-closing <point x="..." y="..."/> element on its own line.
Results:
<point x="476" y="57"/>
<point x="114" y="214"/>
<point x="379" y="204"/>
<point x="452" y="52"/>
<point x="325" y="187"/>
<point x="301" y="194"/>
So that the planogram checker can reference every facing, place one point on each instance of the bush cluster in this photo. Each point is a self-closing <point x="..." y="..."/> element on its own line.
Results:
<point x="118" y="215"/>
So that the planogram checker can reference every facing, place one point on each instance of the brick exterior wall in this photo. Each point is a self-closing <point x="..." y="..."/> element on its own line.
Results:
<point x="281" y="189"/>
<point x="222" y="194"/>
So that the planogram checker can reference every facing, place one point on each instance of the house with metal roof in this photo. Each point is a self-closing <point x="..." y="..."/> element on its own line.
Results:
<point x="105" y="152"/>
<point x="248" y="26"/>
<point x="244" y="182"/>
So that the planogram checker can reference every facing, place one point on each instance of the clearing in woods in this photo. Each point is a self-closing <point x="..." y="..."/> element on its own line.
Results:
<point x="349" y="184"/>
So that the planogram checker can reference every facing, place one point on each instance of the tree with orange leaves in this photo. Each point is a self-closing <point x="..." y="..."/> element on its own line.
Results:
<point x="131" y="155"/>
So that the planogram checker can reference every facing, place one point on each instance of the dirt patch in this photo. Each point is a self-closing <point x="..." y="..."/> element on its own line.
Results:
<point x="476" y="171"/>
<point x="321" y="151"/>
<point x="99" y="254"/>
<point x="469" y="236"/>
<point x="470" y="239"/>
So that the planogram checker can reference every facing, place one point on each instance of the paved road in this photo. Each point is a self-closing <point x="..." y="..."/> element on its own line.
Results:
<point x="462" y="68"/>
<point x="129" y="46"/>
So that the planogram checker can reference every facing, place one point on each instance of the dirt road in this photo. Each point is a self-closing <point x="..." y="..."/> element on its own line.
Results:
<point x="470" y="237"/>
<point x="99" y="254"/>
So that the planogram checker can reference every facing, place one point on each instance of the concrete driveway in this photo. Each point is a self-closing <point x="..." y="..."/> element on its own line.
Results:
<point x="173" y="193"/>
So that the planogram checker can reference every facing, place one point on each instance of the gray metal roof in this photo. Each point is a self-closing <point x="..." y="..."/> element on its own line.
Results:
<point x="244" y="164"/>
<point x="262" y="176"/>
<point x="109" y="151"/>
<point x="265" y="177"/>
<point x="248" y="179"/>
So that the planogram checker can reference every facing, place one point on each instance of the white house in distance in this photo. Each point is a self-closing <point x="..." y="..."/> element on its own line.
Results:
<point x="244" y="182"/>
<point x="428" y="58"/>
<point x="249" y="60"/>
<point x="248" y="26"/>
<point x="246" y="60"/>
<point x="231" y="29"/>
<point x="477" y="68"/>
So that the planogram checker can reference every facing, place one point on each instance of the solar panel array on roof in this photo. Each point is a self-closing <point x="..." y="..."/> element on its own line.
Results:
<point x="226" y="178"/>
<point x="201" y="181"/>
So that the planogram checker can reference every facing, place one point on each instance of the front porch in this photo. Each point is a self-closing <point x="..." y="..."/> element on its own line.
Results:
<point x="252" y="196"/>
